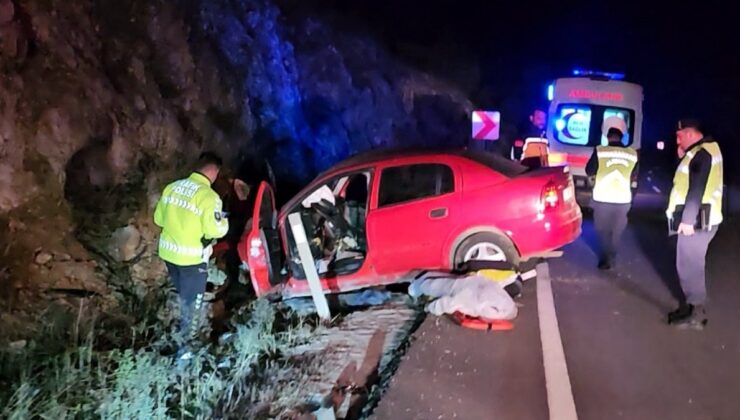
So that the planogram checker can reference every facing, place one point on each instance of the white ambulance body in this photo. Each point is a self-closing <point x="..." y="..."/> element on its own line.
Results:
<point x="578" y="108"/>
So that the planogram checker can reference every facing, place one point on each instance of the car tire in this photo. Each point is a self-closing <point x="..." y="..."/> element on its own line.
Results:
<point x="491" y="245"/>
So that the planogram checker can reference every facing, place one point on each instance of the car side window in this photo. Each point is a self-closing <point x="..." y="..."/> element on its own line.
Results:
<point x="413" y="182"/>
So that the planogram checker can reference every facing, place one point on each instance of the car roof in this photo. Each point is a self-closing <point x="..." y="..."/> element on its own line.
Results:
<point x="492" y="161"/>
<point x="498" y="163"/>
<point x="377" y="156"/>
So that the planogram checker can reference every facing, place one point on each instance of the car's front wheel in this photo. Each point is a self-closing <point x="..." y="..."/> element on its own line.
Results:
<point x="486" y="246"/>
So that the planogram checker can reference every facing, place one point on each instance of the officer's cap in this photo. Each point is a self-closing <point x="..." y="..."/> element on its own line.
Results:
<point x="690" y="123"/>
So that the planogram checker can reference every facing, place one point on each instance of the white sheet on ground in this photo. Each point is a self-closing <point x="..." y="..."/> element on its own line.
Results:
<point x="474" y="296"/>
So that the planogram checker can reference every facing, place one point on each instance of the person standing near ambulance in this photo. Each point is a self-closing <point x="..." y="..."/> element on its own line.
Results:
<point x="615" y="168"/>
<point x="534" y="129"/>
<point x="694" y="213"/>
<point x="190" y="215"/>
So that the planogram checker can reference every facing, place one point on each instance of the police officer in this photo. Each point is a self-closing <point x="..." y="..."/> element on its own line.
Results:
<point x="614" y="166"/>
<point x="190" y="215"/>
<point x="695" y="212"/>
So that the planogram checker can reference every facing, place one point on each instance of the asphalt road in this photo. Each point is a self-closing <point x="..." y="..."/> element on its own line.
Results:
<point x="624" y="362"/>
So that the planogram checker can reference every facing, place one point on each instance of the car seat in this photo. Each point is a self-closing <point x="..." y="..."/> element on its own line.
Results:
<point x="356" y="196"/>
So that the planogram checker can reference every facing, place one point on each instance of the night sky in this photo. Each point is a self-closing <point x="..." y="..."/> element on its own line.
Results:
<point x="686" y="57"/>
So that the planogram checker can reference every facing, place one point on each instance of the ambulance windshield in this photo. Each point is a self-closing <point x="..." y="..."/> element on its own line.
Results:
<point x="580" y="124"/>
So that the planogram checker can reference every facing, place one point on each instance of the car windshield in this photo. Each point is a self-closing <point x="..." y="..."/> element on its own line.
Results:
<point x="506" y="167"/>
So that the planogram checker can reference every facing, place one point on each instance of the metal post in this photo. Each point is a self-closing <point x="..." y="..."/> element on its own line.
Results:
<point x="309" y="266"/>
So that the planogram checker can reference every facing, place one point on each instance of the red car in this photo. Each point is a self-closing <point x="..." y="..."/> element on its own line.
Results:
<point x="377" y="218"/>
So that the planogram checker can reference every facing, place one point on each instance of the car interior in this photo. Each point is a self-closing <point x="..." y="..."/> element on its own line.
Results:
<point x="334" y="218"/>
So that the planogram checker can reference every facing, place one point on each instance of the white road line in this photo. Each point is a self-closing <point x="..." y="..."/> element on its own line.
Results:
<point x="559" y="393"/>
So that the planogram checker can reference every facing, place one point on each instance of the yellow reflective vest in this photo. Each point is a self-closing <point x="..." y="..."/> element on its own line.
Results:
<point x="712" y="191"/>
<point x="188" y="211"/>
<point x="613" y="178"/>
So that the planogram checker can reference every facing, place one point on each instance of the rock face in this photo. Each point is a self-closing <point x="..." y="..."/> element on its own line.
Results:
<point x="102" y="103"/>
<point x="319" y="95"/>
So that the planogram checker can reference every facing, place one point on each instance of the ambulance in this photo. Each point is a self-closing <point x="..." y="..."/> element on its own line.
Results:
<point x="580" y="109"/>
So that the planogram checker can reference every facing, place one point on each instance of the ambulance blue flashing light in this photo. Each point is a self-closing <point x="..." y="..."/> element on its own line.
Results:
<point x="550" y="92"/>
<point x="610" y="76"/>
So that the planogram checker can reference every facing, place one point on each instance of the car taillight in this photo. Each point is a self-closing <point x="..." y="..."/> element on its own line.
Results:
<point x="255" y="247"/>
<point x="550" y="197"/>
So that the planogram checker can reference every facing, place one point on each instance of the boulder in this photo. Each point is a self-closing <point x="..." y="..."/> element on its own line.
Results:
<point x="125" y="244"/>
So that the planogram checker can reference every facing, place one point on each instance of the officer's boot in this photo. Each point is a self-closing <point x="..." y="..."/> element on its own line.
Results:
<point x="605" y="263"/>
<point x="682" y="313"/>
<point x="697" y="320"/>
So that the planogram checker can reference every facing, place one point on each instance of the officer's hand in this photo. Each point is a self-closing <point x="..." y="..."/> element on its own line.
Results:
<point x="685" y="229"/>
<point x="207" y="252"/>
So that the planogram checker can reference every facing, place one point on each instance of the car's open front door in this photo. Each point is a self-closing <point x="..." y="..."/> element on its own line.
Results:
<point x="262" y="247"/>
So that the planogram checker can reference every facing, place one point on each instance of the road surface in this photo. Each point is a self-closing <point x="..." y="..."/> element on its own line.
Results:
<point x="623" y="361"/>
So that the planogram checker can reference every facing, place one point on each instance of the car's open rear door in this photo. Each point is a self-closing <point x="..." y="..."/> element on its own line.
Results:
<point x="262" y="248"/>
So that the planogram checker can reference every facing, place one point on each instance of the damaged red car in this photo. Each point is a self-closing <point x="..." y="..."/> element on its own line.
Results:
<point x="376" y="219"/>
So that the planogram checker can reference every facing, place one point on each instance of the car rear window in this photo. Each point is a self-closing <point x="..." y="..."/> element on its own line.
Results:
<point x="505" y="167"/>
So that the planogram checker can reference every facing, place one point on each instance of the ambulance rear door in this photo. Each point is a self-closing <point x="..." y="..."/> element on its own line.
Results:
<point x="576" y="114"/>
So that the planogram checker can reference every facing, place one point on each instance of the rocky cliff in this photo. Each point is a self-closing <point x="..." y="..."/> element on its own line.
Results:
<point x="103" y="102"/>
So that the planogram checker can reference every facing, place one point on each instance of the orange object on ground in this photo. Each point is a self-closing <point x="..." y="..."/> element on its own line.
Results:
<point x="481" y="323"/>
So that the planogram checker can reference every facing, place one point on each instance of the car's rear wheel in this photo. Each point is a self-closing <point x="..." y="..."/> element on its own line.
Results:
<point x="486" y="246"/>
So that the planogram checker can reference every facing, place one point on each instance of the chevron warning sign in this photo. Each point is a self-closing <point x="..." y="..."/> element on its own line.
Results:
<point x="486" y="125"/>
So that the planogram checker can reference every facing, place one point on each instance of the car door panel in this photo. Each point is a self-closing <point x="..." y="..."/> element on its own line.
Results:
<point x="410" y="235"/>
<point x="261" y="245"/>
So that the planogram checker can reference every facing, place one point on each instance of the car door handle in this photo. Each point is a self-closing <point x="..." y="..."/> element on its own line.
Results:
<point x="438" y="213"/>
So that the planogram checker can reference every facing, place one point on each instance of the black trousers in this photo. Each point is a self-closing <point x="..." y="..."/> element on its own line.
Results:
<point x="190" y="283"/>
<point x="610" y="220"/>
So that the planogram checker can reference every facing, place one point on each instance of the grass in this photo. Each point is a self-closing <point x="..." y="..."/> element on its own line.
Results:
<point x="247" y="377"/>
